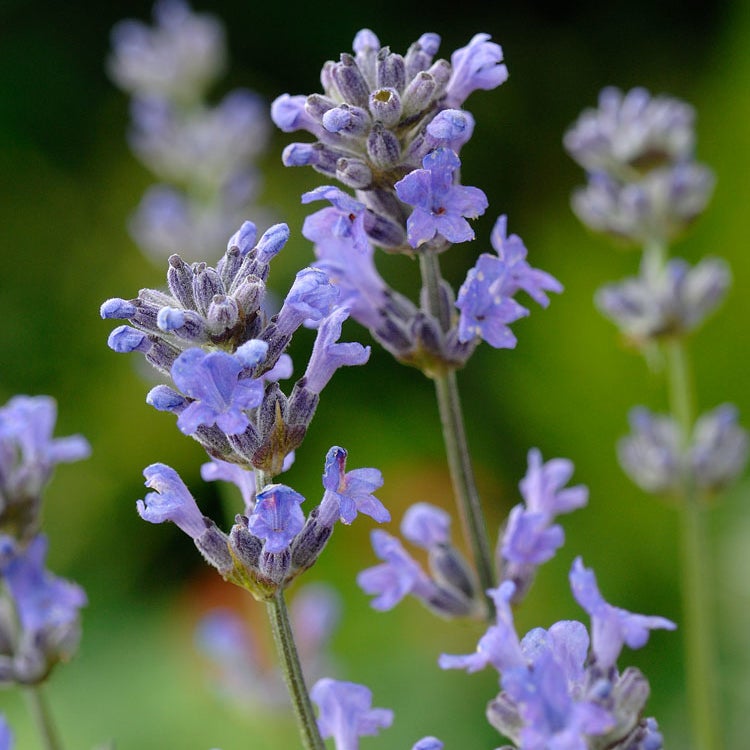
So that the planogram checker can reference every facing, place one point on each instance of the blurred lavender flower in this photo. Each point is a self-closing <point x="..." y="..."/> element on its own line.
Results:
<point x="449" y="591"/>
<point x="45" y="626"/>
<point x="6" y="736"/>
<point x="658" y="458"/>
<point x="644" y="185"/>
<point x="346" y="713"/>
<point x="670" y="302"/>
<point x="28" y="456"/>
<point x="204" y="154"/>
<point x="239" y="673"/>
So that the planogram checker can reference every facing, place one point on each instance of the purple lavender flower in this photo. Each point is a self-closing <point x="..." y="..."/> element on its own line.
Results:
<point x="346" y="713"/>
<point x="178" y="58"/>
<point x="172" y="501"/>
<point x="352" y="491"/>
<point x="277" y="517"/>
<point x="611" y="627"/>
<point x="426" y="525"/>
<point x="329" y="354"/>
<point x="499" y="646"/>
<point x="519" y="274"/>
<point x="475" y="66"/>
<point x="221" y="395"/>
<point x="631" y="131"/>
<point x="311" y="298"/>
<point x="440" y="207"/>
<point x="28" y="456"/>
<point x="398" y="576"/>
<point x="485" y="309"/>
<point x="543" y="488"/>
<point x="343" y="220"/>
<point x="42" y="600"/>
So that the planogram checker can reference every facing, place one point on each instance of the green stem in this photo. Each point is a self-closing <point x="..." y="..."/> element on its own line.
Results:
<point x="42" y="717"/>
<point x="292" y="671"/>
<point x="456" y="443"/>
<point x="698" y="628"/>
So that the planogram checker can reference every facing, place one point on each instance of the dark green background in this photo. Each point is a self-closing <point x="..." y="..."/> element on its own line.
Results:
<point x="68" y="184"/>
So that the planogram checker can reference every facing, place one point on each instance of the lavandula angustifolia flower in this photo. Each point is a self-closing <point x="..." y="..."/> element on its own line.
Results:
<point x="224" y="355"/>
<point x="390" y="127"/>
<point x="39" y="612"/>
<point x="561" y="688"/>
<point x="644" y="186"/>
<point x="203" y="154"/>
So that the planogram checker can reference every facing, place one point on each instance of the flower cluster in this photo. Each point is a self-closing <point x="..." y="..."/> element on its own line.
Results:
<point x="656" y="459"/>
<point x="388" y="126"/>
<point x="644" y="185"/>
<point x="204" y="155"/>
<point x="272" y="542"/>
<point x="560" y="687"/>
<point x="213" y="337"/>
<point x="39" y="612"/>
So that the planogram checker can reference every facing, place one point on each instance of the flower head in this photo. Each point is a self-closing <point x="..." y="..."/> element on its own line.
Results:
<point x="475" y="66"/>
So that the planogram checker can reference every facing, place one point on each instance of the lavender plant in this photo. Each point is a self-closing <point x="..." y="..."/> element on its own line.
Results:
<point x="645" y="188"/>
<point x="203" y="154"/>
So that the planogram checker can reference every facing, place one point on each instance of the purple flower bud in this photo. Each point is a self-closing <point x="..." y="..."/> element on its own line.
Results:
<point x="428" y="743"/>
<point x="118" y="309"/>
<point x="164" y="398"/>
<point x="719" y="448"/>
<point x="289" y="114"/>
<point x="345" y="712"/>
<point x="365" y="39"/>
<point x="277" y="517"/>
<point x="125" y="339"/>
<point x="244" y="238"/>
<point x="251" y="353"/>
<point x="172" y="501"/>
<point x="543" y="486"/>
<point x="271" y="242"/>
<point x="298" y="155"/>
<point x="451" y="128"/>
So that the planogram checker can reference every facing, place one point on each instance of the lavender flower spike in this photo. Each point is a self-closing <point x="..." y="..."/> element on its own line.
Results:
<point x="611" y="627"/>
<point x="328" y="354"/>
<point x="221" y="396"/>
<point x="440" y="207"/>
<point x="352" y="491"/>
<point x="345" y="712"/>
<point x="172" y="501"/>
<point x="277" y="517"/>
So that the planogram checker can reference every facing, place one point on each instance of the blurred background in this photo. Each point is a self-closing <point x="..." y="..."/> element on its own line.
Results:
<point x="69" y="184"/>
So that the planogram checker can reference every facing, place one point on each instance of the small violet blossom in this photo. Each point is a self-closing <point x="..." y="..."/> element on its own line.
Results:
<point x="440" y="207"/>
<point x="213" y="379"/>
<point x="611" y="627"/>
<point x="352" y="491"/>
<point x="475" y="66"/>
<point x="172" y="501"/>
<point x="343" y="220"/>
<point x="277" y="517"/>
<point x="346" y="713"/>
<point x="329" y="354"/>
